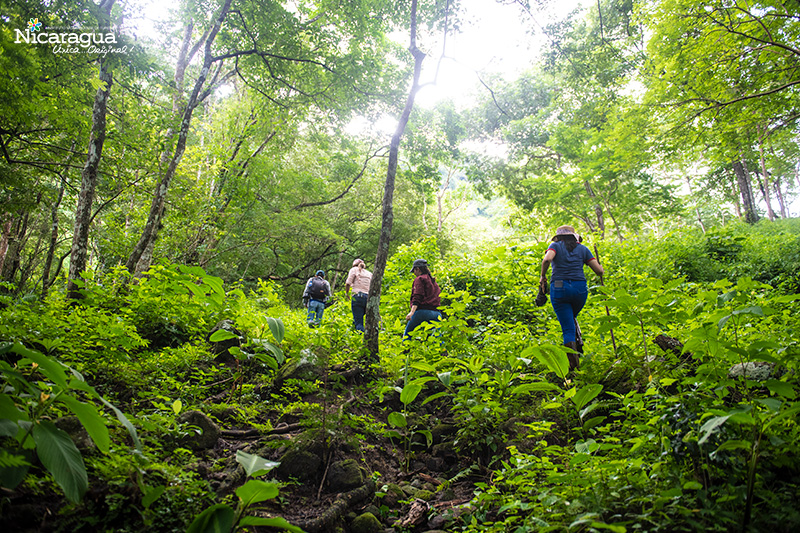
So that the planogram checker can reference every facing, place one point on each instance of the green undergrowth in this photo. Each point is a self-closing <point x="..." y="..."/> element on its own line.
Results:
<point x="640" y="439"/>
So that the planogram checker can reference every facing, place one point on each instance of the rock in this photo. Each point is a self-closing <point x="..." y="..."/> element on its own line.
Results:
<point x="435" y="464"/>
<point x="209" y="432"/>
<point x="345" y="475"/>
<point x="756" y="371"/>
<point x="299" y="464"/>
<point x="393" y="495"/>
<point x="441" y="431"/>
<point x="366" y="523"/>
<point x="426" y="495"/>
<point x="305" y="367"/>
<point x="73" y="427"/>
<point x="222" y="348"/>
<point x="372" y="509"/>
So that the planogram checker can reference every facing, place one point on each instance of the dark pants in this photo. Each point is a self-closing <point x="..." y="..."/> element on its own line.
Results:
<point x="568" y="300"/>
<point x="420" y="316"/>
<point x="359" y="307"/>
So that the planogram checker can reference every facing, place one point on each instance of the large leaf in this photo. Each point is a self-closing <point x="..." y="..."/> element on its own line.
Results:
<point x="222" y="335"/>
<point x="530" y="387"/>
<point x="61" y="458"/>
<point x="279" y="523"/>
<point x="216" y="519"/>
<point x="125" y="422"/>
<point x="253" y="464"/>
<point x="398" y="420"/>
<point x="410" y="392"/>
<point x="555" y="360"/>
<point x="586" y="394"/>
<point x="52" y="369"/>
<point x="91" y="420"/>
<point x="255" y="491"/>
<point x="277" y="328"/>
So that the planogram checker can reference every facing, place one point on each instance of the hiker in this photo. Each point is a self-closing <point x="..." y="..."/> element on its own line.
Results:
<point x="424" y="297"/>
<point x="568" y="289"/>
<point x="317" y="292"/>
<point x="358" y="279"/>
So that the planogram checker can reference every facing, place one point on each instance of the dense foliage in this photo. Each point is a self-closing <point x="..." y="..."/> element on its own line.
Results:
<point x="639" y="439"/>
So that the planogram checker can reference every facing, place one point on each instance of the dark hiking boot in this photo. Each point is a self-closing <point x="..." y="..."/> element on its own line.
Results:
<point x="573" y="356"/>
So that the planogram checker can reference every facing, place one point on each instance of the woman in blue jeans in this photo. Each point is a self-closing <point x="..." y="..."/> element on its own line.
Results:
<point x="568" y="289"/>
<point x="424" y="297"/>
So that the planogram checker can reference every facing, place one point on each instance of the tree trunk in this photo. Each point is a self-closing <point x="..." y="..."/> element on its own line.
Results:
<point x="83" y="211"/>
<point x="139" y="261"/>
<point x="765" y="176"/>
<point x="696" y="209"/>
<point x="746" y="190"/>
<point x="97" y="136"/>
<point x="372" y="318"/>
<point x="598" y="209"/>
<point x="51" y="250"/>
<point x="15" y="238"/>
<point x="781" y="199"/>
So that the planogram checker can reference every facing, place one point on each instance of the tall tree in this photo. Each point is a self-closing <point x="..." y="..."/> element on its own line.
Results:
<point x="83" y="211"/>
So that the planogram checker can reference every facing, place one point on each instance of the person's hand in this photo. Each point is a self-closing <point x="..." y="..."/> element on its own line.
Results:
<point x="408" y="316"/>
<point x="543" y="285"/>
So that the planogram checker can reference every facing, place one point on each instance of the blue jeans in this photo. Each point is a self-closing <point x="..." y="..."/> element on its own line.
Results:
<point x="420" y="316"/>
<point x="359" y="307"/>
<point x="568" y="300"/>
<point x="315" y="310"/>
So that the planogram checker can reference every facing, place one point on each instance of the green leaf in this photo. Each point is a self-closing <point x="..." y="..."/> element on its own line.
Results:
<point x="790" y="412"/>
<point x="587" y="394"/>
<point x="692" y="485"/>
<point x="216" y="519"/>
<point x="277" y="328"/>
<point x="151" y="494"/>
<point x="396" y="419"/>
<point x="446" y="378"/>
<point x="91" y="419"/>
<point x="254" y="465"/>
<point x="428" y="435"/>
<point x="554" y="359"/>
<point x="781" y="388"/>
<point x="61" y="458"/>
<point x="255" y="491"/>
<point x="610" y="527"/>
<point x="734" y="445"/>
<point x="711" y="426"/>
<point x="410" y="392"/>
<point x="425" y="367"/>
<point x="49" y="367"/>
<point x="177" y="405"/>
<point x="436" y="396"/>
<point x="222" y="335"/>
<point x="125" y="422"/>
<point x="278" y="523"/>
<point x="530" y="387"/>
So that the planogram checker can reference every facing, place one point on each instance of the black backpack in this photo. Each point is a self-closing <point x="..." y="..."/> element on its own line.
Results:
<point x="317" y="289"/>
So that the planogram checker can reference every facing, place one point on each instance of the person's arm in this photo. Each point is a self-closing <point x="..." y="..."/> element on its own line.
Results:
<point x="411" y="313"/>
<point x="349" y="283"/>
<point x="594" y="264"/>
<point x="548" y="258"/>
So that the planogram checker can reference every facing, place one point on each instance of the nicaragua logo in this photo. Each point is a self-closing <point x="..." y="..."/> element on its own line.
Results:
<point x="70" y="42"/>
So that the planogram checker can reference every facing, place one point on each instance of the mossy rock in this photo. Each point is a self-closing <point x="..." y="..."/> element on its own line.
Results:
<point x="345" y="475"/>
<point x="298" y="464"/>
<point x="366" y="523"/>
